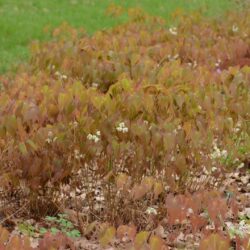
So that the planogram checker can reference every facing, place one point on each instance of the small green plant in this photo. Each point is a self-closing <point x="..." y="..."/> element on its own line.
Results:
<point x="55" y="224"/>
<point x="27" y="229"/>
<point x="61" y="223"/>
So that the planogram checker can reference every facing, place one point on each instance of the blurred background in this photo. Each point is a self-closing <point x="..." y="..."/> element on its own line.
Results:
<point x="22" y="21"/>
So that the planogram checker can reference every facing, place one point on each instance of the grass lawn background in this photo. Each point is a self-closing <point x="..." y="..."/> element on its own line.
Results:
<point x="22" y="21"/>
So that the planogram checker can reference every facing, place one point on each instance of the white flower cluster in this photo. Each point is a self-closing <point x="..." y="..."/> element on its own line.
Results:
<point x="95" y="138"/>
<point x="239" y="163"/>
<point x="95" y="85"/>
<point x="190" y="211"/>
<point x="173" y="58"/>
<point x="52" y="67"/>
<point x="241" y="230"/>
<point x="208" y="172"/>
<point x="73" y="124"/>
<point x="193" y="64"/>
<point x="122" y="128"/>
<point x="217" y="153"/>
<point x="173" y="31"/>
<point x="218" y="63"/>
<point x="151" y="210"/>
<point x="61" y="76"/>
<point x="51" y="138"/>
<point x="175" y="131"/>
<point x="237" y="128"/>
<point x="77" y="154"/>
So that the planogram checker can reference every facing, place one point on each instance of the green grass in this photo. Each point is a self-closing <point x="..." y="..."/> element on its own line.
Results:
<point x="22" y="21"/>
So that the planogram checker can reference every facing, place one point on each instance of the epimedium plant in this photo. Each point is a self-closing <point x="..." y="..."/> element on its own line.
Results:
<point x="62" y="225"/>
<point x="54" y="225"/>
<point x="140" y="108"/>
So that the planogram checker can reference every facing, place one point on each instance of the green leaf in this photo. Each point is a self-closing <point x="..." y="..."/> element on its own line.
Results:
<point x="215" y="242"/>
<point x="50" y="218"/>
<point x="107" y="236"/>
<point x="11" y="125"/>
<point x="54" y="230"/>
<point x="23" y="149"/>
<point x="141" y="238"/>
<point x="155" y="243"/>
<point x="62" y="215"/>
<point x="2" y="131"/>
<point x="43" y="230"/>
<point x="74" y="234"/>
<point x="32" y="144"/>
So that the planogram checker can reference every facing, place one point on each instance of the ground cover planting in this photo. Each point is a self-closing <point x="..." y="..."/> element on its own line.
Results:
<point x="136" y="137"/>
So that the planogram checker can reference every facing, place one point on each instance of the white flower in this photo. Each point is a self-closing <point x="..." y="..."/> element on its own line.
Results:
<point x="172" y="58"/>
<point x="214" y="169"/>
<point x="119" y="129"/>
<point x="179" y="127"/>
<point x="98" y="133"/>
<point x="236" y="130"/>
<point x="50" y="134"/>
<point x="60" y="75"/>
<point x="173" y="31"/>
<point x="224" y="153"/>
<point x="237" y="127"/>
<point x="99" y="198"/>
<point x="151" y="210"/>
<point x="216" y="154"/>
<point x="122" y="128"/>
<point x="48" y="140"/>
<point x="241" y="165"/>
<point x="90" y="137"/>
<point x="77" y="154"/>
<point x="240" y="230"/>
<point x="75" y="124"/>
<point x="205" y="171"/>
<point x="176" y="56"/>
<point x="235" y="28"/>
<point x="238" y="124"/>
<point x="122" y="125"/>
<point x="217" y="64"/>
<point x="96" y="139"/>
<point x="95" y="85"/>
<point x="190" y="211"/>
<point x="172" y="158"/>
<point x="125" y="130"/>
<point x="51" y="137"/>
<point x="236" y="160"/>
